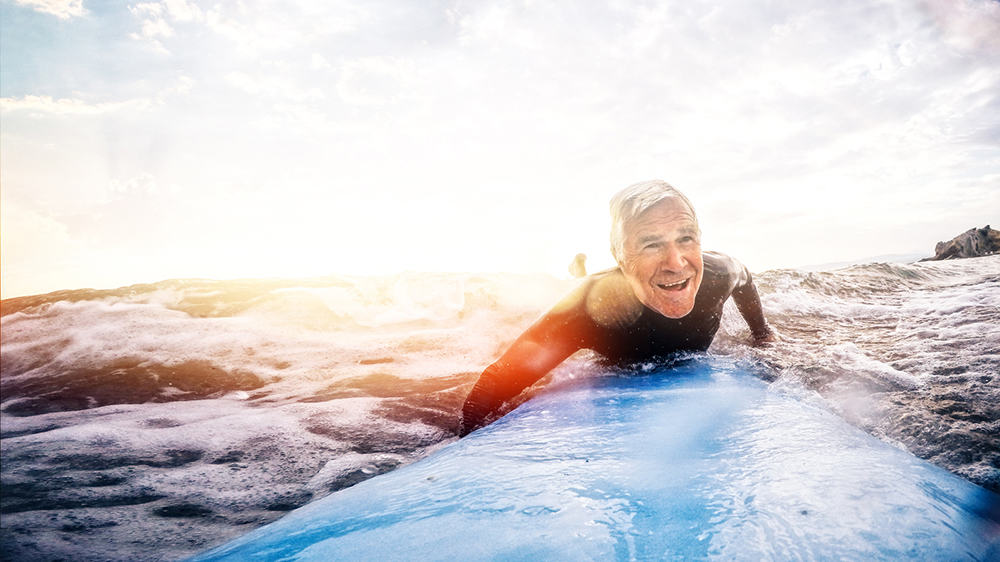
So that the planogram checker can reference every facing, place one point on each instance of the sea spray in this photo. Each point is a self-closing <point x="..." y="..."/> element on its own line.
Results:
<point x="909" y="352"/>
<point x="153" y="421"/>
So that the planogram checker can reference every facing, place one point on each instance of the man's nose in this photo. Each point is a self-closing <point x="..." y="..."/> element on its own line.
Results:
<point x="672" y="258"/>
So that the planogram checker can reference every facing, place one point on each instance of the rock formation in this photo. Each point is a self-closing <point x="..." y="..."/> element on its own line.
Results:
<point x="973" y="243"/>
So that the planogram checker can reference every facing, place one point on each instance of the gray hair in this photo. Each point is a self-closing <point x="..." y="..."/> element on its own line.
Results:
<point x="633" y="201"/>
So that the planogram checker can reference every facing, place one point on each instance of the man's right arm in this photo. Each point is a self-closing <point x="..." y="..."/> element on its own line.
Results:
<point x="748" y="303"/>
<point x="539" y="350"/>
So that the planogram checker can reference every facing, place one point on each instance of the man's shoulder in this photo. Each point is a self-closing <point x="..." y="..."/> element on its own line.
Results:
<point x="722" y="269"/>
<point x="718" y="262"/>
<point x="604" y="298"/>
<point x="610" y="301"/>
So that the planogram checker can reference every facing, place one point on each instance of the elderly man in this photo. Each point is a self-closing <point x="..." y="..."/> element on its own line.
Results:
<point x="666" y="296"/>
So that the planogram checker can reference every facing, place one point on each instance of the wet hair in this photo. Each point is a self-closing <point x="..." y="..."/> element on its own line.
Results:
<point x="633" y="201"/>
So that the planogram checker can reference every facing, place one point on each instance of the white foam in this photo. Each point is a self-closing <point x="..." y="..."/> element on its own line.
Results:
<point x="848" y="357"/>
<point x="314" y="341"/>
<point x="337" y="468"/>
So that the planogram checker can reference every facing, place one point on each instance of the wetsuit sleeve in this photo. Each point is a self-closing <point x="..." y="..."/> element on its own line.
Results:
<point x="748" y="303"/>
<point x="540" y="349"/>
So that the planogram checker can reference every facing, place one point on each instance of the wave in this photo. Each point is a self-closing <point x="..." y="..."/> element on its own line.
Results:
<point x="191" y="411"/>
<point x="909" y="352"/>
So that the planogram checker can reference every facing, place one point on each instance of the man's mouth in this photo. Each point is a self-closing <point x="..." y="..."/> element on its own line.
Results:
<point x="676" y="286"/>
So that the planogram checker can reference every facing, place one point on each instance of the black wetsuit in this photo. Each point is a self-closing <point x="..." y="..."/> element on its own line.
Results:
<point x="604" y="316"/>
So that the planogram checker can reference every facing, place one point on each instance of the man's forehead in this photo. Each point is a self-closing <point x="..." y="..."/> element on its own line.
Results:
<point x="671" y="211"/>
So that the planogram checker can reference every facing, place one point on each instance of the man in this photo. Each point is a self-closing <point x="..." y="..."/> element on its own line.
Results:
<point x="666" y="296"/>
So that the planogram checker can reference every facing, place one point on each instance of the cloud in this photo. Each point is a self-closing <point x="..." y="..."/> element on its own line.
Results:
<point x="144" y="184"/>
<point x="39" y="255"/>
<point x="62" y="9"/>
<point x="154" y="25"/>
<point x="771" y="116"/>
<point x="272" y="86"/>
<point x="182" y="11"/>
<point x="183" y="86"/>
<point x="257" y="27"/>
<point x="319" y="62"/>
<point x="967" y="24"/>
<point x="374" y="80"/>
<point x="46" y="105"/>
<point x="39" y="106"/>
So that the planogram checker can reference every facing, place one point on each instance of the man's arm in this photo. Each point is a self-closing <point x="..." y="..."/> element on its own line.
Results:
<point x="540" y="349"/>
<point x="748" y="303"/>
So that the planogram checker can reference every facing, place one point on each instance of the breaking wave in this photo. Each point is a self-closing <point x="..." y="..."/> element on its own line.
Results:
<point x="153" y="421"/>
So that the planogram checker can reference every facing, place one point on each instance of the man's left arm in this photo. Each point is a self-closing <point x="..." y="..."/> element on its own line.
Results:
<point x="748" y="303"/>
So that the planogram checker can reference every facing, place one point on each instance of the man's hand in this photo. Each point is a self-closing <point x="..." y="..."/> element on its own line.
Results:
<point x="521" y="366"/>
<point x="465" y="428"/>
<point x="766" y="339"/>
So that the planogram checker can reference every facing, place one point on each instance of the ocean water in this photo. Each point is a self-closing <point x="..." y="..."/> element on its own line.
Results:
<point x="154" y="421"/>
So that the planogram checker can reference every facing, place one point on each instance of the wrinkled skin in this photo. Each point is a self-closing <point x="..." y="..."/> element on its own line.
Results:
<point x="661" y="257"/>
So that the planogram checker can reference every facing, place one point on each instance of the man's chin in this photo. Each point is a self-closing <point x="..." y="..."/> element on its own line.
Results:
<point x="671" y="309"/>
<point x="675" y="312"/>
<point x="672" y="303"/>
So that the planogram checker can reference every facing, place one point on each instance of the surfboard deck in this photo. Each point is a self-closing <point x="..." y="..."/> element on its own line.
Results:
<point x="701" y="460"/>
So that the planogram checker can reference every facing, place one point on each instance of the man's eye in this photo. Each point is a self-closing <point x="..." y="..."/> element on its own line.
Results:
<point x="686" y="239"/>
<point x="652" y="246"/>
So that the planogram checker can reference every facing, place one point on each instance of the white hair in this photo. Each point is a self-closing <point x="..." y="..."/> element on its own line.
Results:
<point x="634" y="200"/>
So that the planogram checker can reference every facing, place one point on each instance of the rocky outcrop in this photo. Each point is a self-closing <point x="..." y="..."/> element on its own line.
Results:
<point x="970" y="244"/>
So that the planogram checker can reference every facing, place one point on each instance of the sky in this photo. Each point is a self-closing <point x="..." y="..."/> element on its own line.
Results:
<point x="154" y="140"/>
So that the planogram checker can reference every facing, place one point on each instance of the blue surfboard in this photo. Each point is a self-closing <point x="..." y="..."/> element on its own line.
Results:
<point x="701" y="460"/>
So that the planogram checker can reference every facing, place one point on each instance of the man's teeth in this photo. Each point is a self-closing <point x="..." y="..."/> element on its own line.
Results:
<point x="669" y="285"/>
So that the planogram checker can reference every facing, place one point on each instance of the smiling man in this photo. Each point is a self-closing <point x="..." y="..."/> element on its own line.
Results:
<point x="666" y="296"/>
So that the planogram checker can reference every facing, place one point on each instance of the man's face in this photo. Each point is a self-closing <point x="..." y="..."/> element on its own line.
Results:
<point x="662" y="258"/>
